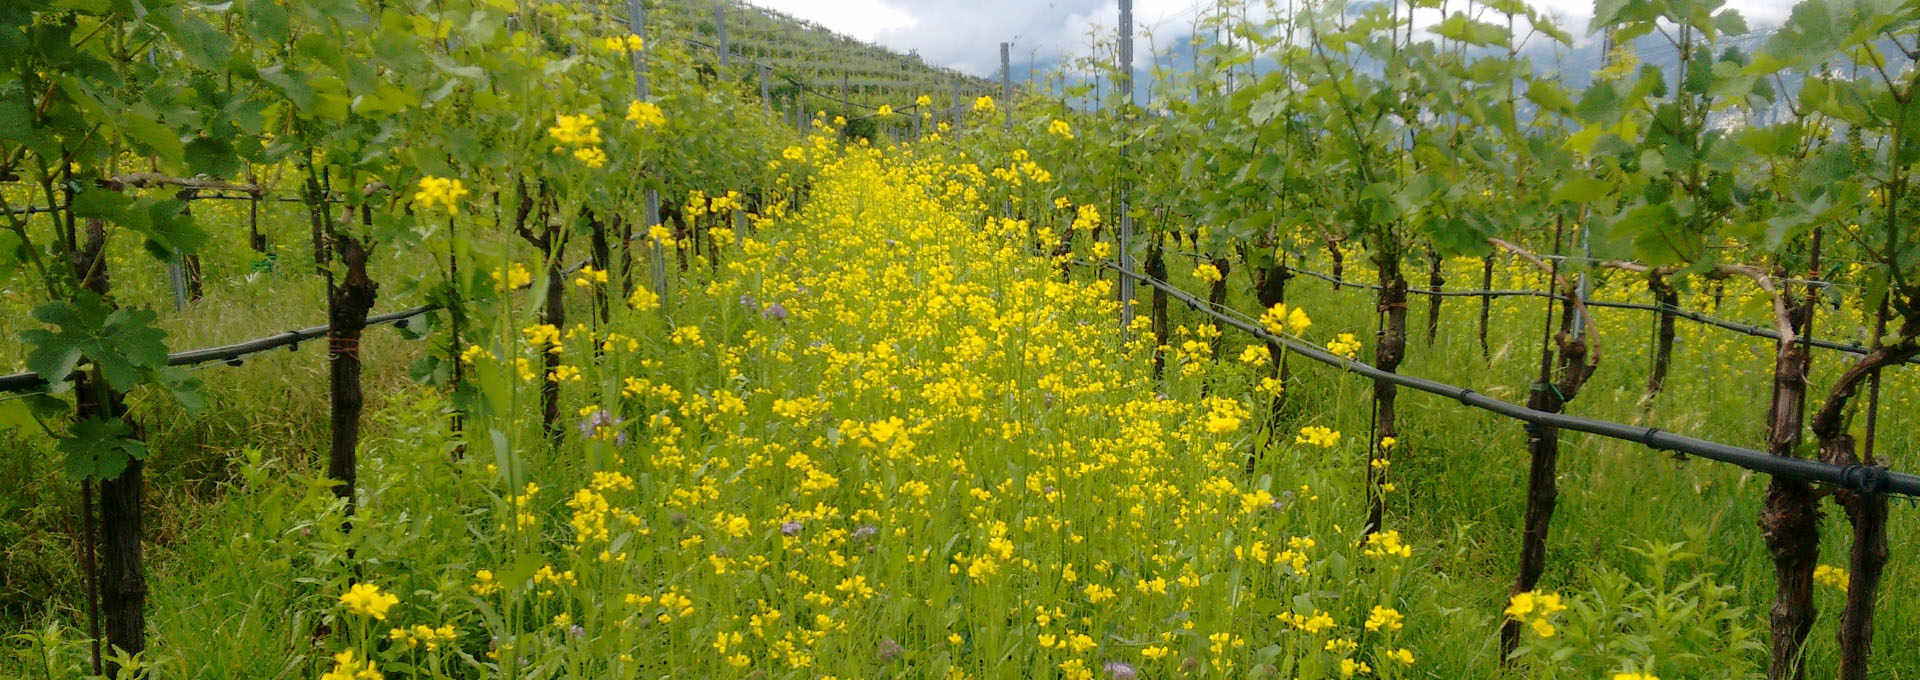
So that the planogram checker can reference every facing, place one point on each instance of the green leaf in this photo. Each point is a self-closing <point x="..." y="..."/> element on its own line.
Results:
<point x="122" y="342"/>
<point x="105" y="204"/>
<point x="1459" y="27"/>
<point x="1581" y="189"/>
<point x="99" y="449"/>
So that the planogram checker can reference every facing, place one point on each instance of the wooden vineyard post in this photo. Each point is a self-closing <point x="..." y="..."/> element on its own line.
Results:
<point x="637" y="23"/>
<point x="720" y="32"/>
<point x="1125" y="81"/>
<point x="766" y="96"/>
<point x="1006" y="86"/>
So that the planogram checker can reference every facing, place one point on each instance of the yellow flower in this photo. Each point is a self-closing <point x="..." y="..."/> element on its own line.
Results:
<point x="646" y="115"/>
<point x="1060" y="128"/>
<point x="1344" y="345"/>
<point x="984" y="104"/>
<point x="623" y="44"/>
<point x="1384" y="618"/>
<point x="592" y="156"/>
<point x="441" y="191"/>
<point x="1318" y="435"/>
<point x="1207" y="273"/>
<point x="365" y="599"/>
<point x="1405" y="657"/>
<point x="347" y="667"/>
<point x="1831" y="576"/>
<point x="885" y="111"/>
<point x="1386" y="544"/>
<point x="1281" y="320"/>
<point x="923" y="101"/>
<point x="1535" y="609"/>
<point x="1086" y="217"/>
<point x="1635" y="676"/>
<point x="514" y="277"/>
<point x="483" y="583"/>
<point x="580" y="130"/>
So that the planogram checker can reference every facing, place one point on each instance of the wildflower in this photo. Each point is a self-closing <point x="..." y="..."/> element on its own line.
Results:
<point x="513" y="277"/>
<point x="1318" y="435"/>
<point x="1281" y="320"/>
<point x="623" y="44"/>
<point x="347" y="667"/>
<point x="1207" y="272"/>
<point x="441" y="191"/>
<point x="1535" y="609"/>
<point x="1405" y="657"/>
<point x="1344" y="345"/>
<point x="1635" y="676"/>
<point x="983" y="105"/>
<point x="645" y="115"/>
<point x="885" y="111"/>
<point x="1388" y="544"/>
<point x="790" y="528"/>
<point x="1086" y="217"/>
<point x="1061" y="129"/>
<point x="1120" y="670"/>
<point x="1831" y="576"/>
<point x="923" y="101"/>
<point x="592" y="156"/>
<point x="544" y="336"/>
<point x="365" y="599"/>
<point x="483" y="583"/>
<point x="774" y="312"/>
<point x="1384" y="618"/>
<point x="1255" y="355"/>
<point x="643" y="300"/>
<point x="580" y="130"/>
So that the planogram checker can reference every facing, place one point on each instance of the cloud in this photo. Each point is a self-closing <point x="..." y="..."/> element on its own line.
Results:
<point x="967" y="35"/>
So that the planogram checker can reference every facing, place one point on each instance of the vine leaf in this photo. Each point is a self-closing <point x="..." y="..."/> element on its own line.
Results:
<point x="99" y="448"/>
<point x="122" y="342"/>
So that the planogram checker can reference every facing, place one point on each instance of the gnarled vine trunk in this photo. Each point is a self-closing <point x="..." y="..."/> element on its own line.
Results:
<point x="348" y="302"/>
<point x="1270" y="288"/>
<point x="1388" y="352"/>
<point x="1866" y="512"/>
<point x="1157" y="269"/>
<point x="121" y="579"/>
<point x="1790" y="513"/>
<point x="1436" y="280"/>
<point x="1667" y="299"/>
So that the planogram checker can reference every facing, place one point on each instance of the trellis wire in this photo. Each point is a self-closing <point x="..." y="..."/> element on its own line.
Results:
<point x="1861" y="478"/>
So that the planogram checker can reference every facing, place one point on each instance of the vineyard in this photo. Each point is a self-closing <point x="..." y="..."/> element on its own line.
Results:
<point x="667" y="338"/>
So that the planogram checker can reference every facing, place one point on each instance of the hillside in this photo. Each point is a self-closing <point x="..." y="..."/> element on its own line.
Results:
<point x="807" y="58"/>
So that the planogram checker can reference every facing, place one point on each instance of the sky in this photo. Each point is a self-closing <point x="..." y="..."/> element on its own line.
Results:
<point x="966" y="35"/>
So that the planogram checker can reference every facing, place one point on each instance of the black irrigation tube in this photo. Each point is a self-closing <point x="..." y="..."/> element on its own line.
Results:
<point x="234" y="353"/>
<point x="1861" y="478"/>
<point x="1688" y="314"/>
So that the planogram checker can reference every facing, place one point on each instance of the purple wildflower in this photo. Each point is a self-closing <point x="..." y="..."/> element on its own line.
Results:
<point x="865" y="531"/>
<point x="790" y="528"/>
<point x="1120" y="670"/>
<point x="774" y="312"/>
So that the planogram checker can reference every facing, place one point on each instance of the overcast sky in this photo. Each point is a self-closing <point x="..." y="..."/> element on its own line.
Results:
<point x="966" y="35"/>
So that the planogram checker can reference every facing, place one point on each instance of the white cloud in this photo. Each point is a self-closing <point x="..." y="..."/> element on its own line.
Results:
<point x="966" y="35"/>
<point x="863" y="19"/>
